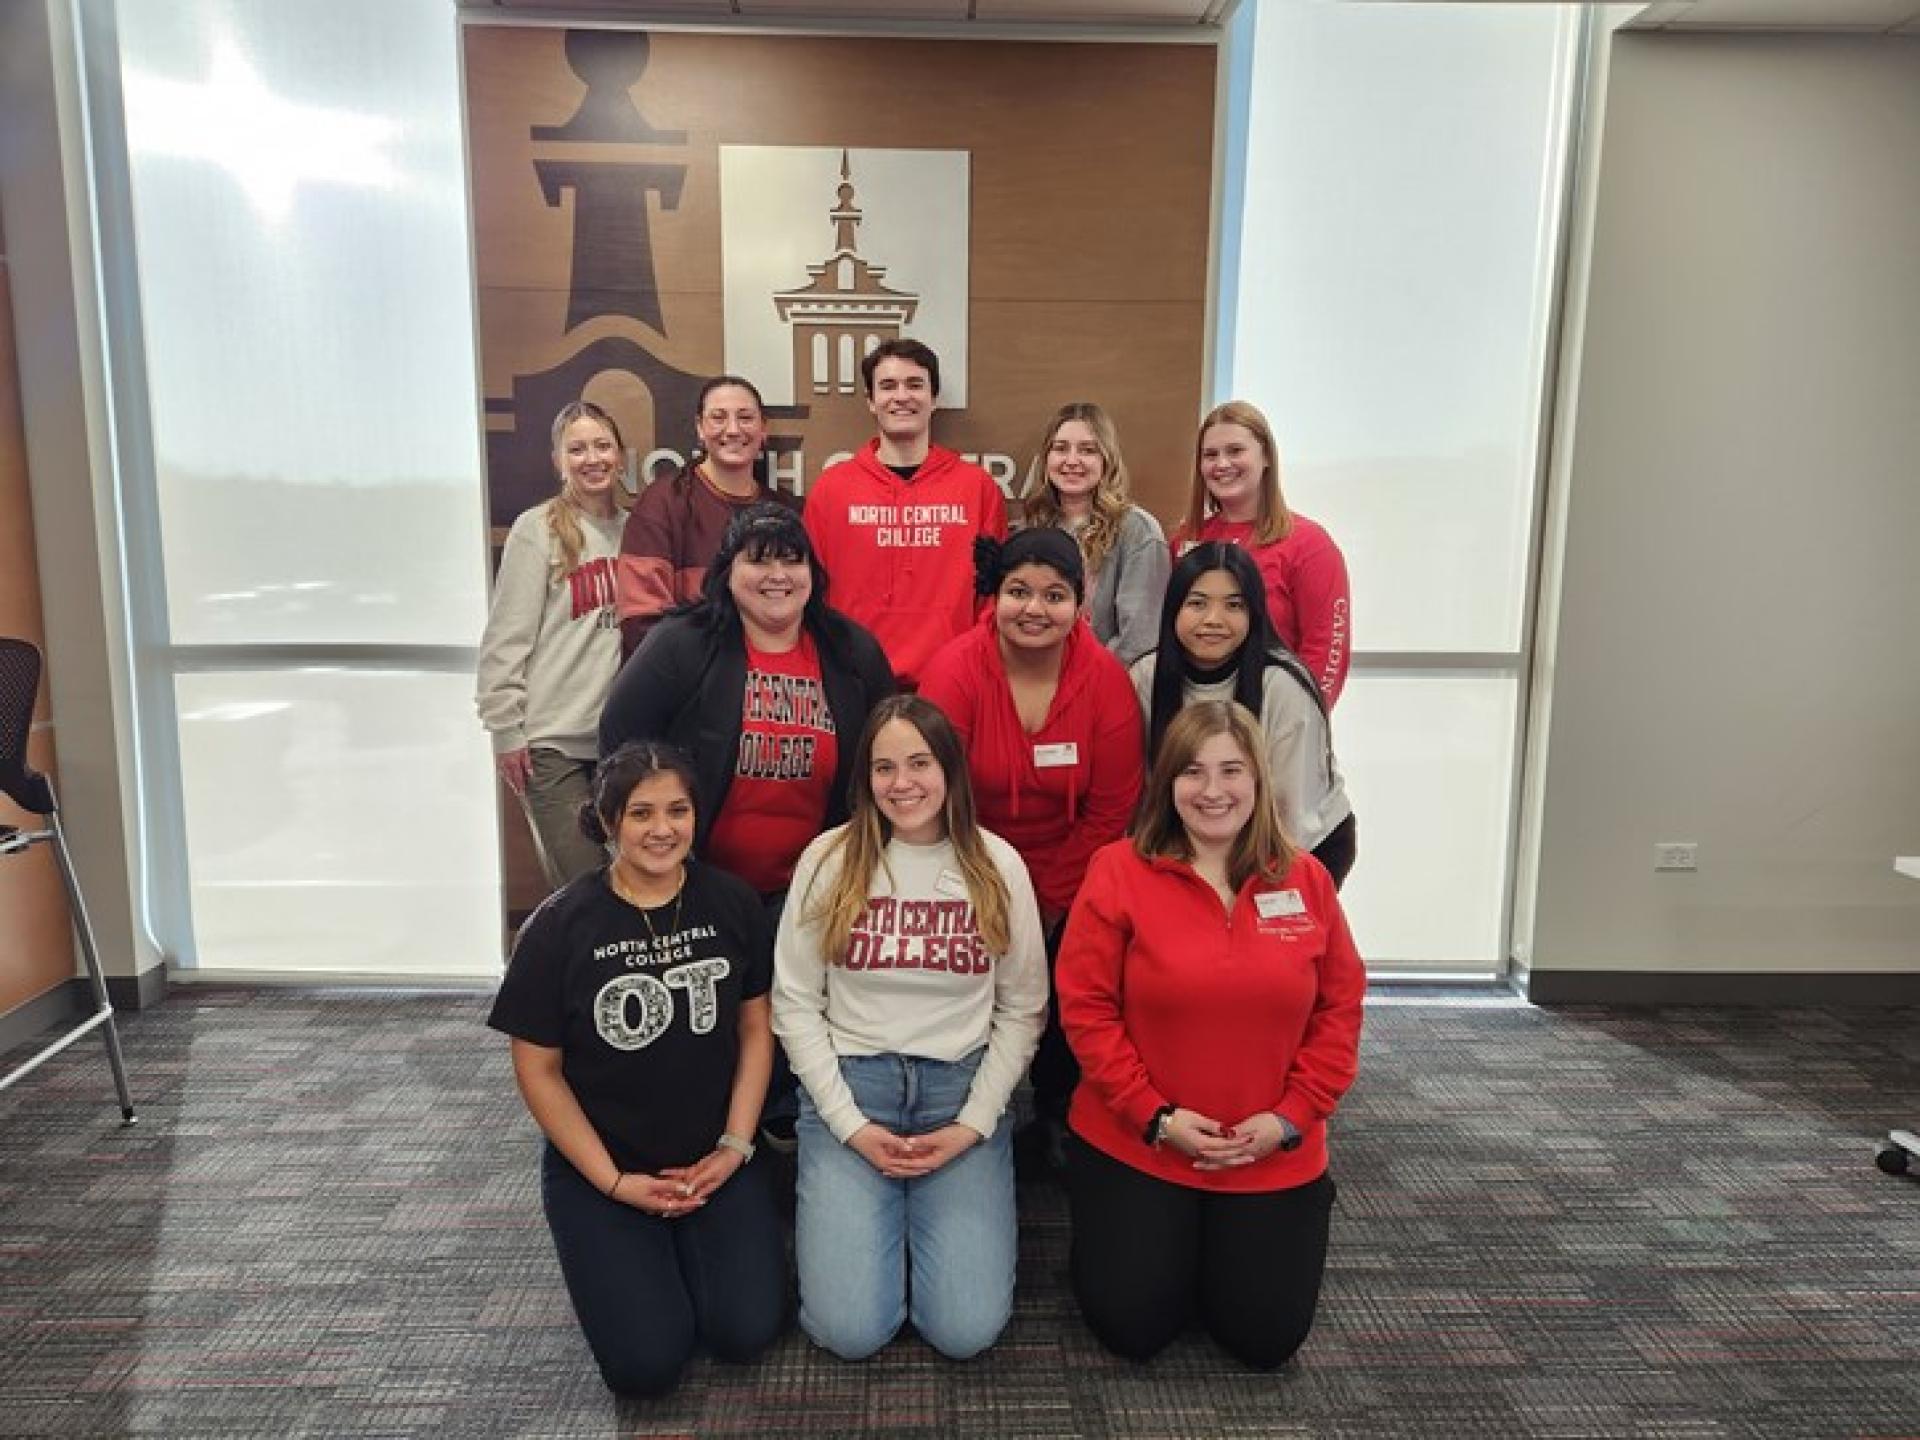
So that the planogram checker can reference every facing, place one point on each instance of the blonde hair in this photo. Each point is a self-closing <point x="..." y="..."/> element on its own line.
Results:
<point x="860" y="845"/>
<point x="1110" y="502"/>
<point x="1273" y="521"/>
<point x="564" y="525"/>
<point x="1261" y="848"/>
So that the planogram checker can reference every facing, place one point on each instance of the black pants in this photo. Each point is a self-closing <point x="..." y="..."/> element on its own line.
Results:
<point x="783" y="1091"/>
<point x="1149" y="1257"/>
<point x="1339" y="850"/>
<point x="646" y="1289"/>
<point x="1054" y="1071"/>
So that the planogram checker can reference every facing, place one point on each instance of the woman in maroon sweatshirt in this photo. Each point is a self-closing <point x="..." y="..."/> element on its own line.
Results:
<point x="1054" y="749"/>
<point x="1212" y="994"/>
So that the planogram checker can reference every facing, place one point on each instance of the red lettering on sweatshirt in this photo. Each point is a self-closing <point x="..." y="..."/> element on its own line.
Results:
<point x="938" y="936"/>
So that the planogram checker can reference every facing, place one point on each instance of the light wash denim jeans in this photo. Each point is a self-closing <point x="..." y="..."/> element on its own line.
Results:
<point x="874" y="1251"/>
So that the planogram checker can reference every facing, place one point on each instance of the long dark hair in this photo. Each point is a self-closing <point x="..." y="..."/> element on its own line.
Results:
<point x="1261" y="648"/>
<point x="765" y="530"/>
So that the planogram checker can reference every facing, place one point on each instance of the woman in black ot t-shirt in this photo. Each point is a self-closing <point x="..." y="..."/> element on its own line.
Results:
<point x="642" y="1043"/>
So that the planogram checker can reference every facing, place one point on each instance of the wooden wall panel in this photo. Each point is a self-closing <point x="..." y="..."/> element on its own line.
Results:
<point x="36" y="940"/>
<point x="1091" y="175"/>
<point x="1090" y="171"/>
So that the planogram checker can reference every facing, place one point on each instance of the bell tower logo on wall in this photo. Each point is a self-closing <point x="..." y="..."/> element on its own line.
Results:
<point x="825" y="253"/>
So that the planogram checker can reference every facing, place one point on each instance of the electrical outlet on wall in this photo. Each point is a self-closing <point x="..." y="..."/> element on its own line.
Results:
<point x="1676" y="855"/>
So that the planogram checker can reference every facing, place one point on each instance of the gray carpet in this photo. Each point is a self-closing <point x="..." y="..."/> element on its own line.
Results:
<point x="1571" y="1224"/>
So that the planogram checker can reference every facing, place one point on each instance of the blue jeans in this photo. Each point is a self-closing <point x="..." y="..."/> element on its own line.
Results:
<point x="647" y="1289"/>
<point x="874" y="1252"/>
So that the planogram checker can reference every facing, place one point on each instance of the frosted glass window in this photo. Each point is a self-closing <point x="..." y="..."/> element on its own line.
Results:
<point x="333" y="822"/>
<point x="1429" y="766"/>
<point x="301" y="220"/>
<point x="1396" y="260"/>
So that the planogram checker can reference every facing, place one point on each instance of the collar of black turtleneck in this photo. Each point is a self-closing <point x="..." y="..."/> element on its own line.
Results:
<point x="1208" y="674"/>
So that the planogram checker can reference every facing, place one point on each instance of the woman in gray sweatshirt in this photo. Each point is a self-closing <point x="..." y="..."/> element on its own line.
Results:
<point x="1078" y="483"/>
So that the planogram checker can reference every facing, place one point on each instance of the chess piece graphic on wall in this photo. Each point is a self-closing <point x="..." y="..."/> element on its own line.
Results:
<point x="613" y="272"/>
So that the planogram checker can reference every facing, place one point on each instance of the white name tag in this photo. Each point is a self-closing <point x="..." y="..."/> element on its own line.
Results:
<point x="951" y="883"/>
<point x="1047" y="757"/>
<point x="1272" y="904"/>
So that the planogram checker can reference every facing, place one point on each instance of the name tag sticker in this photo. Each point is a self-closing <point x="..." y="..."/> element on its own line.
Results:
<point x="952" y="884"/>
<point x="1047" y="757"/>
<point x="1272" y="904"/>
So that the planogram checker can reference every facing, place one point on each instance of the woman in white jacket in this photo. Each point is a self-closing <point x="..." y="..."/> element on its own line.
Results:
<point x="910" y="987"/>
<point x="1216" y="643"/>
<point x="552" y="642"/>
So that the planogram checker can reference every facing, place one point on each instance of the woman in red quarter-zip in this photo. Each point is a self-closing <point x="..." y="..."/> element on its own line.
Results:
<point x="1212" y="995"/>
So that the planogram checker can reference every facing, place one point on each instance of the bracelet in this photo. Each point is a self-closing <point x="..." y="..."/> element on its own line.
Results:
<point x="614" y="1188"/>
<point x="742" y="1148"/>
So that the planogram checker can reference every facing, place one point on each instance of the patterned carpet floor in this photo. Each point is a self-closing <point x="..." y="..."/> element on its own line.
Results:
<point x="1582" y="1223"/>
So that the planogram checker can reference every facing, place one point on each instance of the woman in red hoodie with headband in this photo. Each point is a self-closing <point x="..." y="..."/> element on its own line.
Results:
<point x="1054" y="749"/>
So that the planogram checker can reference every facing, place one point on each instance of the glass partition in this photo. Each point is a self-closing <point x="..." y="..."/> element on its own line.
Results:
<point x="300" y="221"/>
<point x="1391" y="307"/>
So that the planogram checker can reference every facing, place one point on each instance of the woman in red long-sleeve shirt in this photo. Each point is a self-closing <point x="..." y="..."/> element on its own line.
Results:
<point x="1212" y="995"/>
<point x="1236" y="498"/>
<point x="1054" y="749"/>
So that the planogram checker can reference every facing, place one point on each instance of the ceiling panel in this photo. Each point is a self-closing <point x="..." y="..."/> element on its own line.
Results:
<point x="1870" y="16"/>
<point x="854" y="9"/>
<point x="1183" y="14"/>
<point x="1123" y="12"/>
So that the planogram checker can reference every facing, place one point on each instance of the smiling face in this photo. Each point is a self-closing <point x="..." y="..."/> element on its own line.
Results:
<point x="1034" y="608"/>
<point x="908" y="784"/>
<point x="1075" y="462"/>
<point x="1215" y="794"/>
<point x="771" y="593"/>
<point x="656" y="828"/>
<point x="901" y="400"/>
<point x="731" y="428"/>
<point x="1212" y="622"/>
<point x="589" y="461"/>
<point x="1232" y="463"/>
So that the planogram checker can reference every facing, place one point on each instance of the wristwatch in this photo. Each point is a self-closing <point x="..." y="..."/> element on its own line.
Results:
<point x="742" y="1148"/>
<point x="1290" y="1137"/>
<point x="1158" y="1124"/>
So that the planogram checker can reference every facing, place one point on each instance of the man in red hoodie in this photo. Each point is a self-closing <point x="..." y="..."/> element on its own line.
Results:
<point x="895" y="525"/>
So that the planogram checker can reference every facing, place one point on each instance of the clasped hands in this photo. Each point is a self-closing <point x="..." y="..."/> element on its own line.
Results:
<point x="911" y="1157"/>
<point x="1213" y="1146"/>
<point x="680" y="1190"/>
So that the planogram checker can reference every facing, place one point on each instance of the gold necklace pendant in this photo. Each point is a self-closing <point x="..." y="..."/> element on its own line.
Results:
<point x="646" y="918"/>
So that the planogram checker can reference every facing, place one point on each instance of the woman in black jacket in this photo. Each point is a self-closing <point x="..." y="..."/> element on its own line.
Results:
<point x="767" y="689"/>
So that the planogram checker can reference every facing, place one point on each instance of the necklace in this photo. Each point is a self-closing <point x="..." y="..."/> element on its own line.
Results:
<point x="679" y="895"/>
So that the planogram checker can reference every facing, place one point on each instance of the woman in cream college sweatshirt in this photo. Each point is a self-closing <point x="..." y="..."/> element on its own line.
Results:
<point x="910" y="986"/>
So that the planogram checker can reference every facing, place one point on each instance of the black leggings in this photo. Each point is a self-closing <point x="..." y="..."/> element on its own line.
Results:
<point x="1149" y="1256"/>
<point x="646" y="1289"/>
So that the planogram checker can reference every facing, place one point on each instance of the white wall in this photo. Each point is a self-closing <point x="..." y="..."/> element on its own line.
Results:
<point x="1737" y="655"/>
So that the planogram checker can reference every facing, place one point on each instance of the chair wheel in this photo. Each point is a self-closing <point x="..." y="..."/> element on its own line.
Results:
<point x="1892" y="1159"/>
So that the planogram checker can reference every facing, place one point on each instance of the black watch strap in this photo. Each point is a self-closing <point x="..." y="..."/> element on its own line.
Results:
<point x="1158" y="1123"/>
